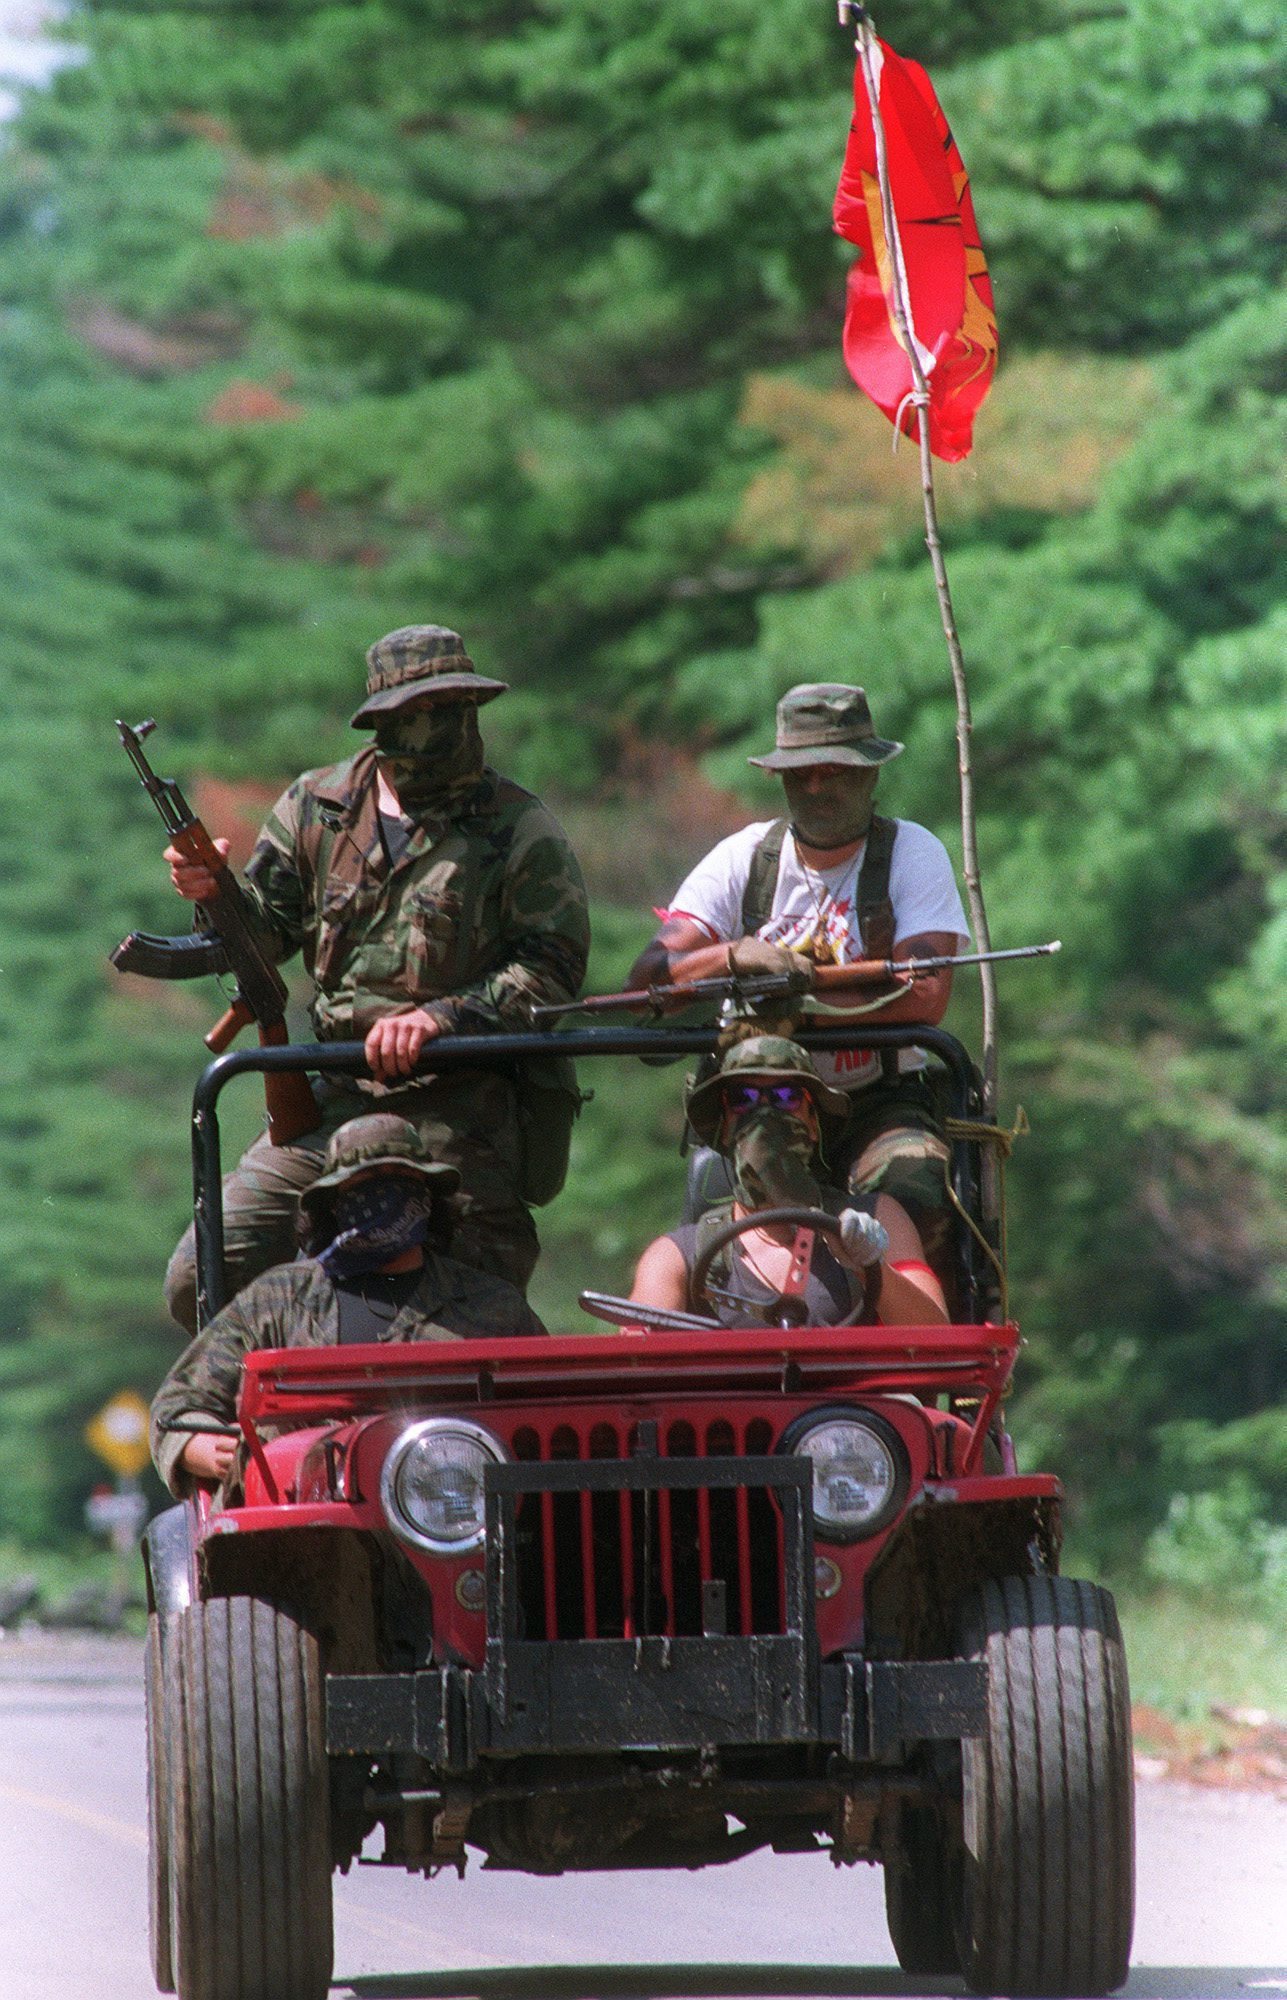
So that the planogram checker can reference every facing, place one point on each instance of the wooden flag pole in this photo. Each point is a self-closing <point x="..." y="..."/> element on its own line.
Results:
<point x="900" y="308"/>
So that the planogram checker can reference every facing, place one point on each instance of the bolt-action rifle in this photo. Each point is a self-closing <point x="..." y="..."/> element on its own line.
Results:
<point x="754" y="988"/>
<point x="224" y="942"/>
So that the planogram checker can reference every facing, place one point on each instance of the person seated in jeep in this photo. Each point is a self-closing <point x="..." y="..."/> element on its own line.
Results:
<point x="834" y="881"/>
<point x="769" y="1114"/>
<point x="369" y="1272"/>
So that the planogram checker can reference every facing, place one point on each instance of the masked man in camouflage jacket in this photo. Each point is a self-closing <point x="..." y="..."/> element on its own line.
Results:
<point x="427" y="894"/>
<point x="370" y="1275"/>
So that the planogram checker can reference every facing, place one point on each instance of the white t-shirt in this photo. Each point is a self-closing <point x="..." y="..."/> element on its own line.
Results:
<point x="809" y="904"/>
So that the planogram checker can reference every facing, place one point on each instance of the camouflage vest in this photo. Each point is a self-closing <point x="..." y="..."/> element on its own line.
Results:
<point x="548" y="1097"/>
<point x="875" y="911"/>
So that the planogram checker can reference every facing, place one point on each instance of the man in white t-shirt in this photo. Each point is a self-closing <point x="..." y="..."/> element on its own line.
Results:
<point x="834" y="882"/>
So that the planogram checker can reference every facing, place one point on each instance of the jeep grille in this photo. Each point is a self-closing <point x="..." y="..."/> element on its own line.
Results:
<point x="680" y="1561"/>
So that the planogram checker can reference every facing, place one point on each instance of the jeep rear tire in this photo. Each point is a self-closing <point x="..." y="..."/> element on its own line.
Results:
<point x="1048" y="1854"/>
<point x="250" y="1836"/>
<point x="158" y="1810"/>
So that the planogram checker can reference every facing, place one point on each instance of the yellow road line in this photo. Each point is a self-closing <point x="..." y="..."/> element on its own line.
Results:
<point x="115" y="1829"/>
<point x="385" y="1926"/>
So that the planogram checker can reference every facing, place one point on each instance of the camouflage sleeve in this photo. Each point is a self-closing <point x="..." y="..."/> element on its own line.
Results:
<point x="206" y="1378"/>
<point x="274" y="886"/>
<point x="480" y="1306"/>
<point x="525" y="1320"/>
<point x="545" y="937"/>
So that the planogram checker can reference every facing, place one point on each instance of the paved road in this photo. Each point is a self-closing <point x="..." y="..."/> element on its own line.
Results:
<point x="73" y="1905"/>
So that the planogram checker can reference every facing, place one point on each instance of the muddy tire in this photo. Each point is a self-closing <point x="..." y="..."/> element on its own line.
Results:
<point x="158" y="1811"/>
<point x="922" y="1893"/>
<point x="1048" y="1854"/>
<point x="250" y="1839"/>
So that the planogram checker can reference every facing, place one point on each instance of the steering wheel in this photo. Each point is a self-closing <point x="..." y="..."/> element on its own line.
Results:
<point x="788" y="1304"/>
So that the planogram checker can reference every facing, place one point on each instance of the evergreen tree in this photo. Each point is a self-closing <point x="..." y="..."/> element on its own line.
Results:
<point x="321" y="318"/>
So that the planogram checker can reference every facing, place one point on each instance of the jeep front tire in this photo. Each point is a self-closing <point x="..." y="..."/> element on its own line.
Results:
<point x="250" y="1857"/>
<point x="1048" y="1808"/>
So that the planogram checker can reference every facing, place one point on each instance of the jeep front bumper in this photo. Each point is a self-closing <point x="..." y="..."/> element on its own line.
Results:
<point x="654" y="1694"/>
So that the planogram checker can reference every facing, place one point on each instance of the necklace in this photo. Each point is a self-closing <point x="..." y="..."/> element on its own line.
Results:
<point x="379" y="1304"/>
<point x="824" y="949"/>
<point x="384" y="1293"/>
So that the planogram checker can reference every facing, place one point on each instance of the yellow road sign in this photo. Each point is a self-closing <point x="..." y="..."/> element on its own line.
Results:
<point x="119" y="1433"/>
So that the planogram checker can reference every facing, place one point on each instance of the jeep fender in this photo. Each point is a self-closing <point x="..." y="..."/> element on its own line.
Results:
<point x="169" y="1560"/>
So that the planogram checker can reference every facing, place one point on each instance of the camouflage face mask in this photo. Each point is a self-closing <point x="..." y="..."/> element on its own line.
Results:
<point x="771" y="1154"/>
<point x="432" y="755"/>
<point x="832" y="810"/>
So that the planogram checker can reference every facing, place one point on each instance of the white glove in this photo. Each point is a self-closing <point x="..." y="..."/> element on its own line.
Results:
<point x="863" y="1239"/>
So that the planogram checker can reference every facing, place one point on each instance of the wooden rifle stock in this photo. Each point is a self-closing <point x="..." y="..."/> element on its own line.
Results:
<point x="292" y="1107"/>
<point x="227" y="1028"/>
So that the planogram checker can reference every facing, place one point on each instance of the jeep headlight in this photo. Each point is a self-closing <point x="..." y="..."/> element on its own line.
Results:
<point x="860" y="1470"/>
<point x="431" y="1488"/>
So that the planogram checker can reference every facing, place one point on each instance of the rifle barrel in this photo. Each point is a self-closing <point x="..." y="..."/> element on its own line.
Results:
<point x="770" y="986"/>
<point x="1015" y="951"/>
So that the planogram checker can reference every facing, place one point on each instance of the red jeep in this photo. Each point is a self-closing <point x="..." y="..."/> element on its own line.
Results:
<point x="646" y="1600"/>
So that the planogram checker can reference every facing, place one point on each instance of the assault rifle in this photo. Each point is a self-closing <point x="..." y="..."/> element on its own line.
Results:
<point x="754" y="988"/>
<point x="225" y="941"/>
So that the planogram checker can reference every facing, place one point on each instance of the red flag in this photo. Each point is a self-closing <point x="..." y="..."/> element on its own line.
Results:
<point x="946" y="277"/>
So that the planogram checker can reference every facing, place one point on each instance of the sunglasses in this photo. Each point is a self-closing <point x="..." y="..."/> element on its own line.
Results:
<point x="745" y="1096"/>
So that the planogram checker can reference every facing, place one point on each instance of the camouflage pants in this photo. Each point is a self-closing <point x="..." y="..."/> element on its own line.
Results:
<point x="471" y="1122"/>
<point x="893" y="1144"/>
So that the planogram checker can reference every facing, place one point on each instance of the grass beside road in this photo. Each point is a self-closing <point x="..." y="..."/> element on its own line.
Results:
<point x="63" y="1579"/>
<point x="1189" y="1656"/>
<point x="1208" y="1691"/>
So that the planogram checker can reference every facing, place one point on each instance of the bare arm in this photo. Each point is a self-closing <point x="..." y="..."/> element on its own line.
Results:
<point x="913" y="1297"/>
<point x="661" y="1277"/>
<point x="681" y="951"/>
<point x="922" y="1001"/>
<point x="926" y="1000"/>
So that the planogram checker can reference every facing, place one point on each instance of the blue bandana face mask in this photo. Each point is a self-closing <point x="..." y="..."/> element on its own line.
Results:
<point x="374" y="1222"/>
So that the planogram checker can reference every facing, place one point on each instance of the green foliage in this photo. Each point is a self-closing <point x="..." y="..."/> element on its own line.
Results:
<point x="1219" y="1545"/>
<point x="321" y="318"/>
<point x="1129" y="166"/>
<point x="1190" y="1655"/>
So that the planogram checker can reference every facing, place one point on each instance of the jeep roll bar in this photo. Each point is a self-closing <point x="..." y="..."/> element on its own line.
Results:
<point x="965" y="1098"/>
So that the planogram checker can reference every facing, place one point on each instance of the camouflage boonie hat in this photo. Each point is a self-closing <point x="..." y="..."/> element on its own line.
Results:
<point x="378" y="1139"/>
<point x="761" y="1058"/>
<point x="821" y="722"/>
<point x="417" y="660"/>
